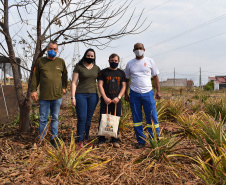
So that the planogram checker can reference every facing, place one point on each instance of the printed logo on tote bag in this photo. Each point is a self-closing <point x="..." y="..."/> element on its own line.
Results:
<point x="109" y="128"/>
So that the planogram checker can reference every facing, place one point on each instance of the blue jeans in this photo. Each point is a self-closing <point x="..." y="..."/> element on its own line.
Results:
<point x="85" y="106"/>
<point x="44" y="106"/>
<point x="146" y="100"/>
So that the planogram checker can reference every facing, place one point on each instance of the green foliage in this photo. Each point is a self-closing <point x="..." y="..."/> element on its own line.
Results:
<point x="163" y="147"/>
<point x="187" y="126"/>
<point x="196" y="97"/>
<point x="211" y="131"/>
<point x="126" y="115"/>
<point x="196" y="107"/>
<point x="209" y="86"/>
<point x="65" y="160"/>
<point x="174" y="107"/>
<point x="216" y="108"/>
<point x="161" y="110"/>
<point x="214" y="172"/>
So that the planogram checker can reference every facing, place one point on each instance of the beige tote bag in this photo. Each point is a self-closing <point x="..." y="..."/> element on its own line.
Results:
<point x="109" y="124"/>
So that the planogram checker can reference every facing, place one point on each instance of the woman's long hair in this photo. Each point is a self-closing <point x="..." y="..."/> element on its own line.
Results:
<point x="84" y="56"/>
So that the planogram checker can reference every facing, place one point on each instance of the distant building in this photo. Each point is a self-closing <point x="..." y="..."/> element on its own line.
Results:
<point x="177" y="82"/>
<point x="219" y="82"/>
<point x="190" y="83"/>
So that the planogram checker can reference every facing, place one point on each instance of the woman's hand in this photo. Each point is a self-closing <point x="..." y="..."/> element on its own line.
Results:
<point x="73" y="101"/>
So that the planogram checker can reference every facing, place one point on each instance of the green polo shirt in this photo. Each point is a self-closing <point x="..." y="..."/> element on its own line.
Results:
<point x="51" y="75"/>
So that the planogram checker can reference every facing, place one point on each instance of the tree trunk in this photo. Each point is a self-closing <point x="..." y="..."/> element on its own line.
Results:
<point x="24" y="103"/>
<point x="24" y="116"/>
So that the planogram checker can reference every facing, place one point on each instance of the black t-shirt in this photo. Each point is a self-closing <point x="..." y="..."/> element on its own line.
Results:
<point x="112" y="81"/>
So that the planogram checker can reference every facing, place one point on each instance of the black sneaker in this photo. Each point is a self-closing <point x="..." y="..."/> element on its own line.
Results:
<point x="54" y="143"/>
<point x="139" y="145"/>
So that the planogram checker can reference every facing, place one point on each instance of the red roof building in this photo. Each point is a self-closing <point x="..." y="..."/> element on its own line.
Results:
<point x="219" y="82"/>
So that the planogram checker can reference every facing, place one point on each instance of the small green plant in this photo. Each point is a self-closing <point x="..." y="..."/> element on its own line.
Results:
<point x="212" y="132"/>
<point x="162" y="149"/>
<point x="174" y="108"/>
<point x="213" y="172"/>
<point x="196" y="97"/>
<point x="161" y="110"/>
<point x="216" y="108"/>
<point x="187" y="126"/>
<point x="65" y="161"/>
<point x="125" y="116"/>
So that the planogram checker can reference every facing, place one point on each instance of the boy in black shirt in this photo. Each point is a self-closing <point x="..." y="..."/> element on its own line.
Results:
<point x="112" y="85"/>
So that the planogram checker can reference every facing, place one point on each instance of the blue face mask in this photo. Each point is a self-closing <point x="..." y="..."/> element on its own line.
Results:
<point x="113" y="65"/>
<point x="51" y="53"/>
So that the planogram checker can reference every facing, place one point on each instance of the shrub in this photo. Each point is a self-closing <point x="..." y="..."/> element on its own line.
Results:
<point x="209" y="86"/>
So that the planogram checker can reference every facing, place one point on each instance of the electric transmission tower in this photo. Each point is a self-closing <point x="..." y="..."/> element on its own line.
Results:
<point x="76" y="55"/>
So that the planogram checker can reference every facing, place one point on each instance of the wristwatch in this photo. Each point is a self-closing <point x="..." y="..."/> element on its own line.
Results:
<point x="72" y="97"/>
<point x="119" y="97"/>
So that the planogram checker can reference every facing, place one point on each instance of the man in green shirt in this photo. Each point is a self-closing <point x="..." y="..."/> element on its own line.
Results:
<point x="50" y="74"/>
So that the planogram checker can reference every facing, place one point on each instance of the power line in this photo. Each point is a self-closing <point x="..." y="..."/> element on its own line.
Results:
<point x="176" y="17"/>
<point x="158" y="6"/>
<point x="191" y="44"/>
<point x="191" y="30"/>
<point x="149" y="9"/>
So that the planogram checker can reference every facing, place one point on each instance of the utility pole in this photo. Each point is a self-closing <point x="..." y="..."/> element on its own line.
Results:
<point x="200" y="79"/>
<point x="174" y="78"/>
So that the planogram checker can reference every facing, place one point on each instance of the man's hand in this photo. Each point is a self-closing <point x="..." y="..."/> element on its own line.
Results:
<point x="158" y="95"/>
<point x="127" y="97"/>
<point x="115" y="100"/>
<point x="64" y="91"/>
<point x="107" y="100"/>
<point x="73" y="101"/>
<point x="34" y="96"/>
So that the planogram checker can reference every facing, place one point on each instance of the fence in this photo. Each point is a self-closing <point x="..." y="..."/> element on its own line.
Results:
<point x="8" y="103"/>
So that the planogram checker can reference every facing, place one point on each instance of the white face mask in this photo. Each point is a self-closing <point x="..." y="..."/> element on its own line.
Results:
<point x="139" y="53"/>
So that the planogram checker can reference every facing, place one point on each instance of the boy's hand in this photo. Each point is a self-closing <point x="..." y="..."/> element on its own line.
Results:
<point x="107" y="100"/>
<point x="115" y="100"/>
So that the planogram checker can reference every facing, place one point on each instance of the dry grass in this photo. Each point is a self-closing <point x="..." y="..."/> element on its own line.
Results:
<point x="24" y="162"/>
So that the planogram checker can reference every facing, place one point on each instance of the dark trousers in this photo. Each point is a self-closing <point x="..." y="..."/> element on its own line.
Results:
<point x="111" y="110"/>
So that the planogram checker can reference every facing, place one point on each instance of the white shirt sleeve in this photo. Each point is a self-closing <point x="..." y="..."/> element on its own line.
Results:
<point x="127" y="71"/>
<point x="154" y="69"/>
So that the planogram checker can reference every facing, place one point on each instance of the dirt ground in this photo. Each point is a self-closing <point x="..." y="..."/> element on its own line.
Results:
<point x="16" y="151"/>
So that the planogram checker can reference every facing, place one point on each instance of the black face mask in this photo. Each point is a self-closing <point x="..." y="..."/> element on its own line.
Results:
<point x="89" y="60"/>
<point x="113" y="65"/>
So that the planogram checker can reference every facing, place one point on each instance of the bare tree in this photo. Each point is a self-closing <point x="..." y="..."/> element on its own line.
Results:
<point x="91" y="22"/>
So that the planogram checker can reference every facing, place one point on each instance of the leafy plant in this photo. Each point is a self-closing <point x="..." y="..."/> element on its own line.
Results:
<point x="174" y="108"/>
<point x="209" y="86"/>
<point x="214" y="173"/>
<point x="211" y="131"/>
<point x="216" y="108"/>
<point x="65" y="160"/>
<point x="125" y="116"/>
<point x="187" y="125"/>
<point x="161" y="110"/>
<point x="162" y="149"/>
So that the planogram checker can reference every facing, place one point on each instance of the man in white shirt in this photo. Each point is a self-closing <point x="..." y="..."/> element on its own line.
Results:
<point x="140" y="70"/>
